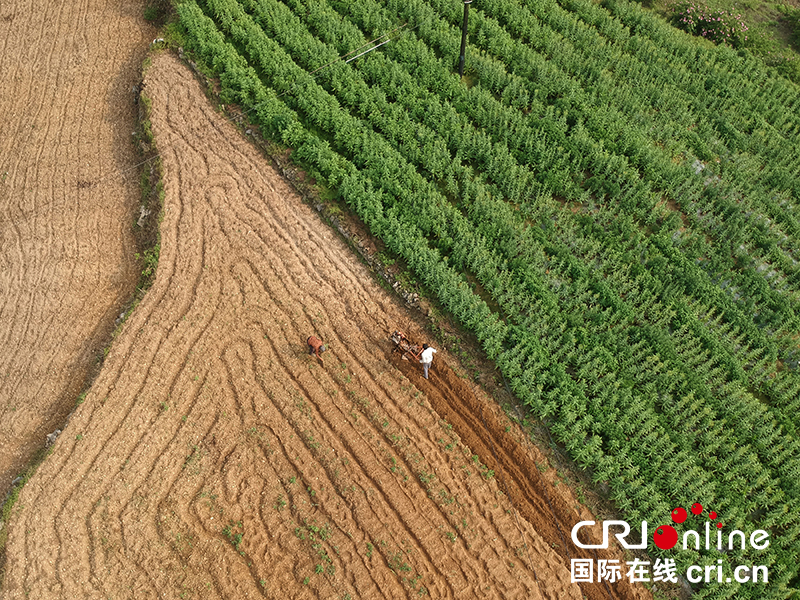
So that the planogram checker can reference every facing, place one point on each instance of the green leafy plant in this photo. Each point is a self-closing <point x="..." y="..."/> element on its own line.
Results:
<point x="234" y="531"/>
<point x="618" y="234"/>
<point x="721" y="25"/>
<point x="149" y="260"/>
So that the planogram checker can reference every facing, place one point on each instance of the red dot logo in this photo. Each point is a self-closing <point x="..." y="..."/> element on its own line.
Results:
<point x="665" y="537"/>
<point x="712" y="515"/>
<point x="697" y="508"/>
<point x="678" y="515"/>
<point x="719" y="525"/>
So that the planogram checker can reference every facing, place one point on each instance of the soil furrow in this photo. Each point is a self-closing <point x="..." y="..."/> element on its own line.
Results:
<point x="215" y="458"/>
<point x="66" y="268"/>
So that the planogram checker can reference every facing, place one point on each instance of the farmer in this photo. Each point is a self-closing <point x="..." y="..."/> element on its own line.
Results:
<point x="426" y="358"/>
<point x="315" y="346"/>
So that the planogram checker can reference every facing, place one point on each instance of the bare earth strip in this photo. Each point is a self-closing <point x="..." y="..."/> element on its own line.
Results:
<point x="66" y="207"/>
<point x="214" y="458"/>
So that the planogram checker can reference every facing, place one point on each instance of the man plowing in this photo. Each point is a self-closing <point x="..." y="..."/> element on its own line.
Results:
<point x="423" y="354"/>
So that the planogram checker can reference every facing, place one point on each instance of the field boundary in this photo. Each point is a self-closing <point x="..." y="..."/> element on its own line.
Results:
<point x="472" y="361"/>
<point x="147" y="241"/>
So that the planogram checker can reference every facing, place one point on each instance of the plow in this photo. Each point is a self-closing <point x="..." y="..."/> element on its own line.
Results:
<point x="405" y="346"/>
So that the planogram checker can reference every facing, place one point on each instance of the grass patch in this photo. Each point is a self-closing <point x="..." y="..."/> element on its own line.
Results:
<point x="770" y="29"/>
<point x="11" y="501"/>
<point x="146" y="227"/>
<point x="234" y="531"/>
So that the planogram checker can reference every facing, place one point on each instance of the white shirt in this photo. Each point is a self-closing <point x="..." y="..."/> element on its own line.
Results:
<point x="427" y="355"/>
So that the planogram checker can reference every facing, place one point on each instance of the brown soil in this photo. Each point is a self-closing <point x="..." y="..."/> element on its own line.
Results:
<point x="67" y="196"/>
<point x="214" y="458"/>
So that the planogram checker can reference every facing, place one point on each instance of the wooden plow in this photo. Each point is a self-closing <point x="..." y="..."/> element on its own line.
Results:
<point x="403" y="345"/>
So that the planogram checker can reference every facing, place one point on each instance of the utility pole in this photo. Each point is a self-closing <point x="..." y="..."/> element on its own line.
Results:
<point x="462" y="56"/>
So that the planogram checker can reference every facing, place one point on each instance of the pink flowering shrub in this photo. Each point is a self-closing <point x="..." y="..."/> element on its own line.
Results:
<point x="718" y="25"/>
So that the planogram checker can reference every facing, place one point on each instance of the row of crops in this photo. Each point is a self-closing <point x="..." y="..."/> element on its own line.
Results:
<point x="609" y="205"/>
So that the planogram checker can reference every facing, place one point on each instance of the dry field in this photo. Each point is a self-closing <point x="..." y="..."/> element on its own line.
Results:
<point x="214" y="458"/>
<point x="66" y="204"/>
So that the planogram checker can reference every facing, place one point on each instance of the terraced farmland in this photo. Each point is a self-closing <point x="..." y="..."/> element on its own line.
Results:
<point x="607" y="203"/>
<point x="214" y="458"/>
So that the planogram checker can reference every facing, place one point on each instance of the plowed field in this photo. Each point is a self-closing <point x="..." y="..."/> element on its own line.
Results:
<point x="214" y="458"/>
<point x="68" y="194"/>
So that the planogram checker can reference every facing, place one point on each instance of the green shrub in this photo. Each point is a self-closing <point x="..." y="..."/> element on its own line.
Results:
<point x="720" y="25"/>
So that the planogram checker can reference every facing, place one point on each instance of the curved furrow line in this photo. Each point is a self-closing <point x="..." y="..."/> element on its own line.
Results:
<point x="527" y="492"/>
<point x="133" y="353"/>
<point x="19" y="325"/>
<point x="353" y="279"/>
<point x="7" y="17"/>
<point x="118" y="407"/>
<point x="124" y="427"/>
<point x="180" y="131"/>
<point x="107" y="527"/>
<point x="122" y="500"/>
<point x="54" y="129"/>
<point x="19" y="48"/>
<point x="64" y="291"/>
<point x="138" y="563"/>
<point x="76" y="476"/>
<point x="345" y="542"/>
<point x="446" y="495"/>
<point x="279" y="536"/>
<point x="344" y="436"/>
<point x="48" y="49"/>
<point x="522" y="492"/>
<point x="345" y="282"/>
<point x="212" y="447"/>
<point x="341" y="429"/>
<point x="309" y="475"/>
<point x="244" y="378"/>
<point x="146" y="523"/>
<point x="300" y="235"/>
<point x="196" y="461"/>
<point x="323" y="310"/>
<point x="342" y="442"/>
<point x="437" y="508"/>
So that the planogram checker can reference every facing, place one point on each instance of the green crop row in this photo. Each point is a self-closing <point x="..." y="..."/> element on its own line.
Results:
<point x="720" y="211"/>
<point x="339" y="82"/>
<point x="243" y="85"/>
<point x="608" y="330"/>
<point x="579" y="146"/>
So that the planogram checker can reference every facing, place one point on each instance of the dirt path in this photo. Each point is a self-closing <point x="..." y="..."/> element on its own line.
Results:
<point x="66" y="249"/>
<point x="214" y="458"/>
